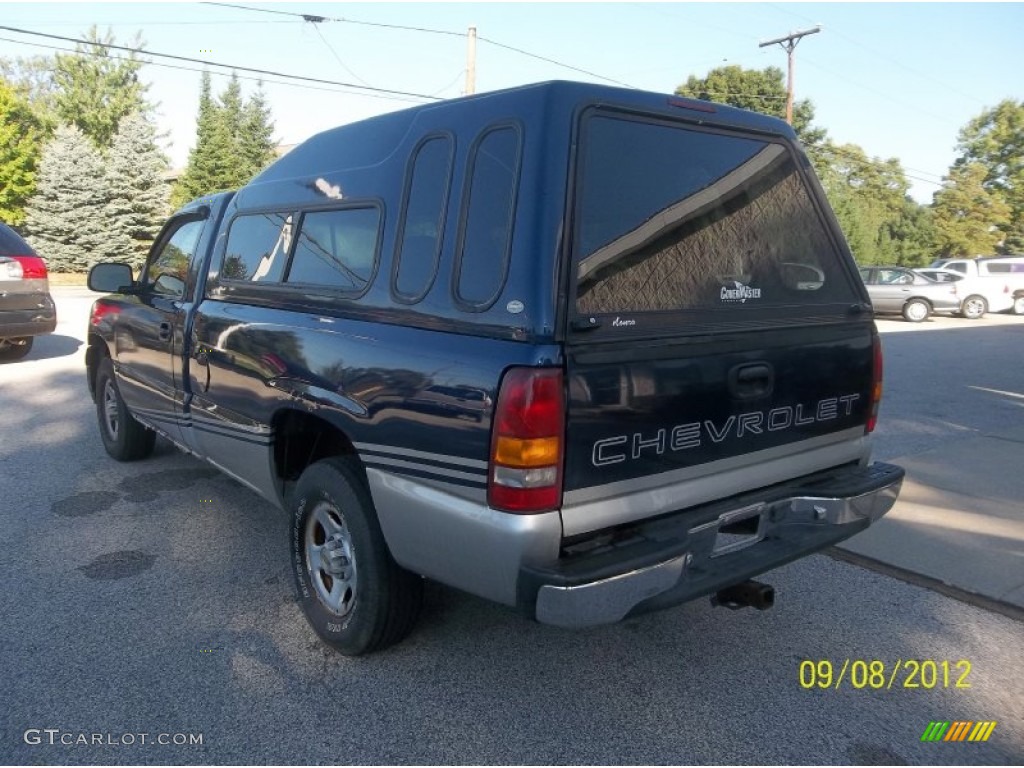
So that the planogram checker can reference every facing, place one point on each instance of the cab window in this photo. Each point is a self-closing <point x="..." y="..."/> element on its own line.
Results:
<point x="168" y="269"/>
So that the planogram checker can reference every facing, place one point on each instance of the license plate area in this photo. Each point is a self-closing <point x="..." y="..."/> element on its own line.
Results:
<point x="739" y="528"/>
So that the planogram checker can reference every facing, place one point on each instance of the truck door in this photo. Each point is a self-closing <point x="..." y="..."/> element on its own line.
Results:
<point x="148" y="331"/>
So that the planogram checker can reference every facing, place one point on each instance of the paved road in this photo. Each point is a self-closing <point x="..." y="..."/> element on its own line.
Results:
<point x="154" y="598"/>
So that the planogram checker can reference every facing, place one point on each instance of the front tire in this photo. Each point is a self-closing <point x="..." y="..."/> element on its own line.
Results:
<point x="14" y="349"/>
<point x="352" y="592"/>
<point x="123" y="437"/>
<point x="974" y="307"/>
<point x="916" y="311"/>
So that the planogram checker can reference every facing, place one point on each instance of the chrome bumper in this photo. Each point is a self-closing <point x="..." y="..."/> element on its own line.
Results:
<point x="697" y="554"/>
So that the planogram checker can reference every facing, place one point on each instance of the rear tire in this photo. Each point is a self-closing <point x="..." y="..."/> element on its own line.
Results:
<point x="352" y="592"/>
<point x="916" y="311"/>
<point x="15" y="349"/>
<point x="974" y="307"/>
<point x="124" y="438"/>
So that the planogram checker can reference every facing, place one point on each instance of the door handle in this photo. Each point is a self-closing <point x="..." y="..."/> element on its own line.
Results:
<point x="165" y="331"/>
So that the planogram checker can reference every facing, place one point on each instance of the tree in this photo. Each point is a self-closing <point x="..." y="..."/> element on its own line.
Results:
<point x="209" y="160"/>
<point x="995" y="140"/>
<point x="32" y="79"/>
<point x="760" y="90"/>
<point x="65" y="216"/>
<point x="969" y="217"/>
<point x="256" y="139"/>
<point x="96" y="90"/>
<point x="138" y="201"/>
<point x="20" y="135"/>
<point x="233" y="142"/>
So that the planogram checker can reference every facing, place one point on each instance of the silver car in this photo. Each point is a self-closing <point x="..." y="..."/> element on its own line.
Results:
<point x="901" y="290"/>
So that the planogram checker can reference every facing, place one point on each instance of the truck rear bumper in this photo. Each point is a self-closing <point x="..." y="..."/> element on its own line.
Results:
<point x="699" y="551"/>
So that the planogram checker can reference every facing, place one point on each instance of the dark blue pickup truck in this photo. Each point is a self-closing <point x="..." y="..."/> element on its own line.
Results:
<point x="580" y="350"/>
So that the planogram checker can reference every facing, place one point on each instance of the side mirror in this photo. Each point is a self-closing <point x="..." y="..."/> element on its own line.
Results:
<point x="110" y="278"/>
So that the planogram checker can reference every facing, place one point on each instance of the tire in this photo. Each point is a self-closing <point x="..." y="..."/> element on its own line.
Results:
<point x="1018" y="305"/>
<point x="124" y="438"/>
<point x="916" y="311"/>
<point x="15" y="349"/>
<point x="974" y="307"/>
<point x="352" y="592"/>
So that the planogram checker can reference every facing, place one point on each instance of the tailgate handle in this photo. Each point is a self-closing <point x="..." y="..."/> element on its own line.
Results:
<point x="751" y="380"/>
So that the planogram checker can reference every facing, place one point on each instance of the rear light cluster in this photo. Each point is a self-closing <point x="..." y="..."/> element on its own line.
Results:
<point x="528" y="442"/>
<point x="24" y="268"/>
<point x="876" y="383"/>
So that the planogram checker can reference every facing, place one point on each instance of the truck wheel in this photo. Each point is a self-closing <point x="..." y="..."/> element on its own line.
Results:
<point x="14" y="349"/>
<point x="353" y="593"/>
<point x="124" y="438"/>
<point x="974" y="307"/>
<point x="1018" y="305"/>
<point x="916" y="311"/>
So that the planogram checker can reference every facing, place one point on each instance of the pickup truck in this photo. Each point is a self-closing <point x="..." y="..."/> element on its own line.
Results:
<point x="579" y="350"/>
<point x="990" y="284"/>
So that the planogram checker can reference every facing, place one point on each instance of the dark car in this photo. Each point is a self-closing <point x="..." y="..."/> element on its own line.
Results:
<point x="909" y="293"/>
<point x="26" y="307"/>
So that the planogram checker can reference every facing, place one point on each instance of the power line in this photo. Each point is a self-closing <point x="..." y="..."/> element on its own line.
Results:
<point x="218" y="64"/>
<point x="427" y="30"/>
<point x="218" y="74"/>
<point x="337" y="58"/>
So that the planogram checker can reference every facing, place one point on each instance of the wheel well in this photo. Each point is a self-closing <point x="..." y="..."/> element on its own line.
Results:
<point x="919" y="298"/>
<point x="301" y="439"/>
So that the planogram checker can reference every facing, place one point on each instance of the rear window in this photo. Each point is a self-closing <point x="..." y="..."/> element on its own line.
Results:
<point x="670" y="218"/>
<point x="12" y="244"/>
<point x="337" y="249"/>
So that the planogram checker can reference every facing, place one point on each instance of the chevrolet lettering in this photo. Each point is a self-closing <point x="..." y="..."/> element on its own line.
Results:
<point x="582" y="351"/>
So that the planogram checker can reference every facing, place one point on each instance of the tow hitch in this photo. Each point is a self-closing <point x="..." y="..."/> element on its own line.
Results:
<point x="748" y="593"/>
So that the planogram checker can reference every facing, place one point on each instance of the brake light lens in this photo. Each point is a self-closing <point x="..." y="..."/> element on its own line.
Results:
<point x="876" y="383"/>
<point x="25" y="268"/>
<point x="527" y="442"/>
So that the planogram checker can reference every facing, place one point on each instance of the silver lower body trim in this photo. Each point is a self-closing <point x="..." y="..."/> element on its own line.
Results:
<point x="460" y="542"/>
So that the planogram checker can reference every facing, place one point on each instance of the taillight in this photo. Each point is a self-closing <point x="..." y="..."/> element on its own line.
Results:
<point x="527" y="442"/>
<point x="26" y="268"/>
<point x="876" y="383"/>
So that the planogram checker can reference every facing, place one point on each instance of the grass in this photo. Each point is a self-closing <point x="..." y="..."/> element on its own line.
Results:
<point x="68" y="278"/>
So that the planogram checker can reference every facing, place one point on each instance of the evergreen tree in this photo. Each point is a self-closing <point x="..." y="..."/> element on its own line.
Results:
<point x="95" y="90"/>
<point x="65" y="217"/>
<point x="256" y="141"/>
<point x="233" y="142"/>
<point x="138" y="193"/>
<point x="20" y="136"/>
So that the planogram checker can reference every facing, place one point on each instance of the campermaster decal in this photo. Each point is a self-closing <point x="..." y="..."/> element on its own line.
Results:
<point x="738" y="292"/>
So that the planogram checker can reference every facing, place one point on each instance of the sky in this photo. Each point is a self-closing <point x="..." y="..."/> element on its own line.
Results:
<point x="899" y="79"/>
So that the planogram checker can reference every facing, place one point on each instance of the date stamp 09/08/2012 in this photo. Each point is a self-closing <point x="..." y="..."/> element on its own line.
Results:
<point x="873" y="674"/>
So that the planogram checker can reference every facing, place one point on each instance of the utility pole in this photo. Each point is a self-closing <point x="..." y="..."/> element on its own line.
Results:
<point x="471" y="62"/>
<point x="789" y="43"/>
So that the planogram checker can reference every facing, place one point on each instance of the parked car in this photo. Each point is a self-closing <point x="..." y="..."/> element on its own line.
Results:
<point x="580" y="350"/>
<point x="996" y="284"/>
<point x="26" y="307"/>
<point x="901" y="290"/>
